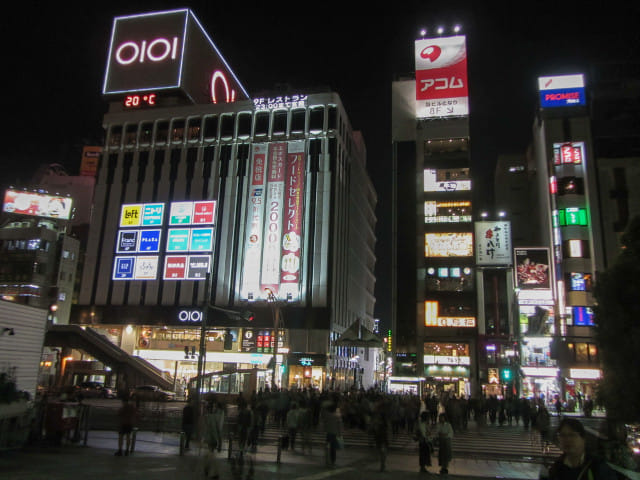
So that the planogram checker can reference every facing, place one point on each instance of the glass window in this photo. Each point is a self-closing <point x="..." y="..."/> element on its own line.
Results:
<point x="297" y="121"/>
<point x="316" y="120"/>
<point x="177" y="131"/>
<point x="194" y="129"/>
<point x="116" y="136"/>
<point x="211" y="127"/>
<point x="162" y="133"/>
<point x="130" y="135"/>
<point x="262" y="123"/>
<point x="570" y="186"/>
<point x="279" y="123"/>
<point x="146" y="133"/>
<point x="226" y="127"/>
<point x="244" y="124"/>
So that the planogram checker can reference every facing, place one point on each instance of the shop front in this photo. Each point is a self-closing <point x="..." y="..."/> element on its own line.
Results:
<point x="540" y="382"/>
<point x="306" y="370"/>
<point x="447" y="367"/>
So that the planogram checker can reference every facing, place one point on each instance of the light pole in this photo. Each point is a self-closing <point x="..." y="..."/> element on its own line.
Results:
<point x="275" y="311"/>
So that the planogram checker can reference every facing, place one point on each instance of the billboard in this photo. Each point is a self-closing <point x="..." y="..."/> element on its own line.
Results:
<point x="458" y="244"/>
<point x="168" y="50"/>
<point x="37" y="204"/>
<point x="447" y="180"/>
<point x="532" y="268"/>
<point x="274" y="221"/>
<point x="493" y="243"/>
<point x="441" y="77"/>
<point x="561" y="91"/>
<point x="188" y="230"/>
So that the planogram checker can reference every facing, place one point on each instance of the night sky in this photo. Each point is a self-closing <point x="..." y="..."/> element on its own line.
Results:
<point x="54" y="59"/>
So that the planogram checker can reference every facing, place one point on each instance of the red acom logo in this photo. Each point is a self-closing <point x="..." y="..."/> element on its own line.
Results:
<point x="433" y="53"/>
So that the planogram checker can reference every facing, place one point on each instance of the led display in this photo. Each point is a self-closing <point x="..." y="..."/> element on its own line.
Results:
<point x="37" y="204"/>
<point x="448" y="244"/>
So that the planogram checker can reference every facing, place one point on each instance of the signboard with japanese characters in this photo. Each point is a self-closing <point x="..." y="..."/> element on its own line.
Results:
<point x="493" y="243"/>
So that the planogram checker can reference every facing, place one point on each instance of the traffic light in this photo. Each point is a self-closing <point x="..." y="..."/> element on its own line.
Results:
<point x="506" y="375"/>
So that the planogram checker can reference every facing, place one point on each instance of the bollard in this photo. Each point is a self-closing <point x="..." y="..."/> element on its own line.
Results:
<point x="182" y="439"/>
<point x="134" y="434"/>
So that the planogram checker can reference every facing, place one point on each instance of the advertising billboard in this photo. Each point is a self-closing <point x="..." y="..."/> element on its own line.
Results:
<point x="562" y="91"/>
<point x="493" y="243"/>
<point x="168" y="50"/>
<point x="532" y="268"/>
<point x="441" y="77"/>
<point x="568" y="153"/>
<point x="142" y="230"/>
<point x="274" y="221"/>
<point x="447" y="180"/>
<point x="37" y="204"/>
<point x="458" y="244"/>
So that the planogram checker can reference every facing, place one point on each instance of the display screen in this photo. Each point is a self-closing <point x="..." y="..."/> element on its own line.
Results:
<point x="582" y="316"/>
<point x="37" y="204"/>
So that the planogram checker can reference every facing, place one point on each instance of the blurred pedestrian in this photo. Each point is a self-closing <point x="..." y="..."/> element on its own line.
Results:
<point x="575" y="463"/>
<point x="333" y="427"/>
<point x="127" y="415"/>
<point x="188" y="423"/>
<point x="444" y="431"/>
<point x="422" y="433"/>
<point x="381" y="429"/>
<point x="213" y="437"/>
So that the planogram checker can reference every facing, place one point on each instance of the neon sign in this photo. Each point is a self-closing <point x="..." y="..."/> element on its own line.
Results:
<point x="132" y="101"/>
<point x="129" y="52"/>
<point x="230" y="94"/>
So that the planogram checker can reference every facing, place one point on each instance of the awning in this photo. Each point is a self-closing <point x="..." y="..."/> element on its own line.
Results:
<point x="358" y="336"/>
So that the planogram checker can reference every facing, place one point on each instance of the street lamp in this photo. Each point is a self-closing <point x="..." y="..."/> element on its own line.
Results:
<point x="275" y="311"/>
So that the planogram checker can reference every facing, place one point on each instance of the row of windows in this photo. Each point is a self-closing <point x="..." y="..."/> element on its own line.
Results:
<point x="228" y="126"/>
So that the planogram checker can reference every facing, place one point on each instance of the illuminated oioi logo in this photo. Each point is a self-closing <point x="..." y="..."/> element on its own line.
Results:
<point x="156" y="50"/>
<point x="190" y="316"/>
<point x="230" y="94"/>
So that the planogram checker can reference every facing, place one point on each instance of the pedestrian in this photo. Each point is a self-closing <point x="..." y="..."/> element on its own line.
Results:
<point x="213" y="438"/>
<point x="380" y="428"/>
<point x="293" y="421"/>
<point x="543" y="425"/>
<point x="188" y="423"/>
<point x="422" y="433"/>
<point x="333" y="427"/>
<point x="444" y="432"/>
<point x="575" y="463"/>
<point x="127" y="415"/>
<point x="245" y="425"/>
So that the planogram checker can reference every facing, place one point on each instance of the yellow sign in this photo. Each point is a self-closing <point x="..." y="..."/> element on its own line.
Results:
<point x="131" y="215"/>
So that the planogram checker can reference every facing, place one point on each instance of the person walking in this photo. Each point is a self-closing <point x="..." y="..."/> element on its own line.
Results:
<point x="188" y="423"/>
<point x="576" y="463"/>
<point x="212" y="424"/>
<point x="381" y="429"/>
<point x="293" y="423"/>
<point x="444" y="431"/>
<point x="333" y="427"/>
<point x="422" y="433"/>
<point x="543" y="425"/>
<point x="127" y="416"/>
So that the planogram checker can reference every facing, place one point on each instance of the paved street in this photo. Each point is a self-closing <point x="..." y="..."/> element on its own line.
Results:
<point x="480" y="452"/>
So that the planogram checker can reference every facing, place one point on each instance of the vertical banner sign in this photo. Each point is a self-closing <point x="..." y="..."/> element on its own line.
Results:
<point x="493" y="243"/>
<point x="441" y="77"/>
<point x="255" y="222"/>
<point x="292" y="222"/>
<point x="273" y="222"/>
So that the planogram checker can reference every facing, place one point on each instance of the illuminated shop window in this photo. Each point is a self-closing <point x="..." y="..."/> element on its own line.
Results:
<point x="193" y="129"/>
<point x="573" y="216"/>
<point x="115" y="136"/>
<point x="447" y="212"/>
<point x="447" y="180"/>
<point x="570" y="186"/>
<point x="450" y="279"/>
<point x="576" y="249"/>
<point x="146" y="133"/>
<point x="579" y="282"/>
<point x="568" y="153"/>
<point x="177" y="131"/>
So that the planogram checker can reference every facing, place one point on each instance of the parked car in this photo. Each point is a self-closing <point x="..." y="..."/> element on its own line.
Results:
<point x="94" y="390"/>
<point x="152" y="393"/>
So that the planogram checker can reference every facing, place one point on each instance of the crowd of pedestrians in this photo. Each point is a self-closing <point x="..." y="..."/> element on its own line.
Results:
<point x="432" y="420"/>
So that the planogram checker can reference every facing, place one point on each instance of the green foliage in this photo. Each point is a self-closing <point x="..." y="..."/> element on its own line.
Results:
<point x="617" y="316"/>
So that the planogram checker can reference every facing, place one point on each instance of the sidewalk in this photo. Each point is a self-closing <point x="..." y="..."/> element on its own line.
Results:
<point x="157" y="456"/>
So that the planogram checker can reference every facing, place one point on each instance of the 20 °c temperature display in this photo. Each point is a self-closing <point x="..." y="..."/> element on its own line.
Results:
<point x="147" y="100"/>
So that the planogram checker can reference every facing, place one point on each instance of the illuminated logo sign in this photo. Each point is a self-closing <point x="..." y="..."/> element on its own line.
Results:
<point x="493" y="243"/>
<point x="441" y="77"/>
<point x="124" y="268"/>
<point x="562" y="91"/>
<point x="146" y="268"/>
<point x="432" y="318"/>
<point x="37" y="204"/>
<point x="152" y="214"/>
<point x="190" y="316"/>
<point x="201" y="240"/>
<point x="283" y="102"/>
<point x="149" y="241"/>
<point x="167" y="50"/>
<point x="175" y="267"/>
<point x="131" y="215"/>
<point x="127" y="241"/>
<point x="198" y="267"/>
<point x="178" y="240"/>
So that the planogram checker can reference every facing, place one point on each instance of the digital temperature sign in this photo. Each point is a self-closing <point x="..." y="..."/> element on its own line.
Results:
<point x="136" y="101"/>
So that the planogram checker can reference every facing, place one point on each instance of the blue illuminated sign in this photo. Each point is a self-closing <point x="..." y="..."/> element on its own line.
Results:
<point x="152" y="214"/>
<point x="178" y="240"/>
<point x="149" y="241"/>
<point x="124" y="268"/>
<point x="201" y="240"/>
<point x="562" y="91"/>
<point x="582" y="316"/>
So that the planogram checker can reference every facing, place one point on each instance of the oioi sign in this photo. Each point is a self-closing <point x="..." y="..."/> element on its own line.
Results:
<point x="168" y="50"/>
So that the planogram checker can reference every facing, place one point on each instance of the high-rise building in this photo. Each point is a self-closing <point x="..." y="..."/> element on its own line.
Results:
<point x="209" y="202"/>
<point x="434" y="317"/>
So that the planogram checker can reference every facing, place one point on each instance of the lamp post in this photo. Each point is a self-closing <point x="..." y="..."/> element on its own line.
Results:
<point x="275" y="311"/>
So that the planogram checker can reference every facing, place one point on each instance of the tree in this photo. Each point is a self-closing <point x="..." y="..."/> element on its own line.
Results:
<point x="617" y="317"/>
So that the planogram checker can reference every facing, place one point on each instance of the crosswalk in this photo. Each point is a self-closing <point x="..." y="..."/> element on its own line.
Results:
<point x="488" y="442"/>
